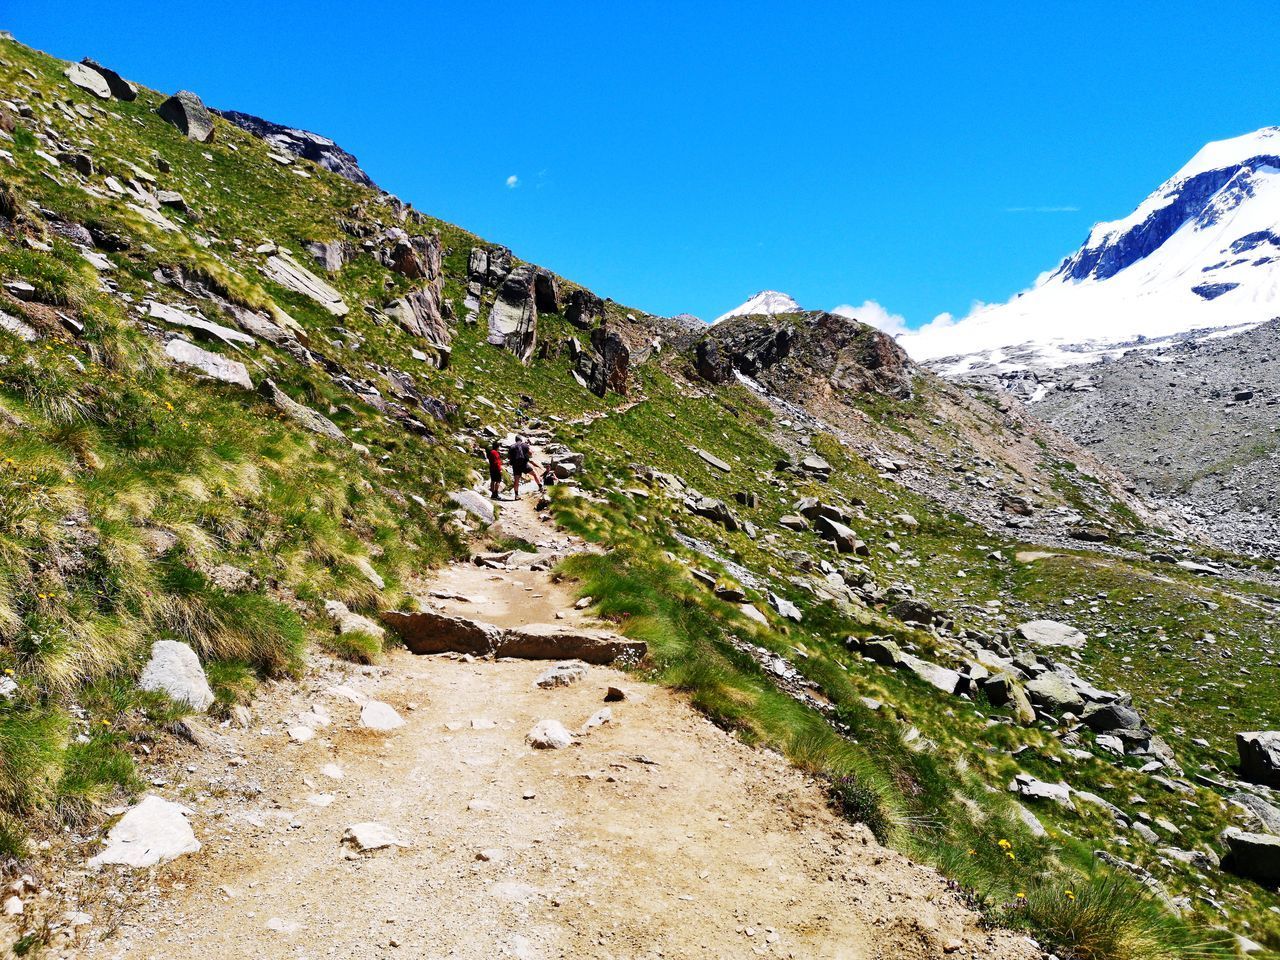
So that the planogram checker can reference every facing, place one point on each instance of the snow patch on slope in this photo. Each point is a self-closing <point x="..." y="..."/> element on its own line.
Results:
<point x="766" y="302"/>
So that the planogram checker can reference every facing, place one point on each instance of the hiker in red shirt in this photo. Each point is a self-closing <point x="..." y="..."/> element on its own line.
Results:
<point x="493" y="456"/>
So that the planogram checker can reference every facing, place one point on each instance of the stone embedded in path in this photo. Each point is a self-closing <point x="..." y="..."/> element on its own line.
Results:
<point x="475" y="504"/>
<point x="597" y="719"/>
<point x="175" y="670"/>
<point x="153" y="831"/>
<point x="371" y="835"/>
<point x="562" y="674"/>
<point x="548" y="735"/>
<point x="427" y="632"/>
<point x="431" y="632"/>
<point x="1051" y="633"/>
<point x="376" y="715"/>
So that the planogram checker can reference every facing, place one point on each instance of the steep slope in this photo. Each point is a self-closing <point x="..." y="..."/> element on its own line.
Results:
<point x="301" y="143"/>
<point x="241" y="404"/>
<point x="1201" y="252"/>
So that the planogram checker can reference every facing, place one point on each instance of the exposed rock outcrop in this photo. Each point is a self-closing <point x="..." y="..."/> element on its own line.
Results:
<point x="187" y="112"/>
<point x="301" y="143"/>
<point x="513" y="318"/>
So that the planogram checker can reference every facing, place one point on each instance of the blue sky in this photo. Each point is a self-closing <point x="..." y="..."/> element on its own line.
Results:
<point x="680" y="157"/>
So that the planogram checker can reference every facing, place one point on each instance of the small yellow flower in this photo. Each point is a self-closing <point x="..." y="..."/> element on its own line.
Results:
<point x="972" y="852"/>
<point x="1004" y="844"/>
<point x="1070" y="894"/>
<point x="9" y="672"/>
<point x="1009" y="854"/>
<point x="1022" y="896"/>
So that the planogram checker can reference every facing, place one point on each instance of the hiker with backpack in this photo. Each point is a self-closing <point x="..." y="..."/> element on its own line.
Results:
<point x="493" y="457"/>
<point x="521" y="457"/>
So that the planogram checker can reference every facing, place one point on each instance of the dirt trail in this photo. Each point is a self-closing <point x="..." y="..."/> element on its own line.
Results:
<point x="655" y="835"/>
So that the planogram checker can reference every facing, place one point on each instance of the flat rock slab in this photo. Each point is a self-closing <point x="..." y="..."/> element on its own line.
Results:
<point x="713" y="460"/>
<point x="187" y="354"/>
<point x="1051" y="633"/>
<point x="287" y="272"/>
<point x="430" y="632"/>
<point x="475" y="504"/>
<point x="153" y="831"/>
<point x="370" y="836"/>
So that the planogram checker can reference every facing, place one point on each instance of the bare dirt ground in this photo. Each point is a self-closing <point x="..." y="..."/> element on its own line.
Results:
<point x="654" y="835"/>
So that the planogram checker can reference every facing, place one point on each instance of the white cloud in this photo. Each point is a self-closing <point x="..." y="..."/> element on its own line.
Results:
<point x="513" y="181"/>
<point x="874" y="315"/>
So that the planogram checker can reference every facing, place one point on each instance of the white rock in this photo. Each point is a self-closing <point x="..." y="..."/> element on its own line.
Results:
<point x="597" y="719"/>
<point x="562" y="674"/>
<point x="1051" y="633"/>
<point x="301" y="734"/>
<point x="377" y="715"/>
<point x="332" y="771"/>
<point x="549" y="735"/>
<point x="77" y="918"/>
<point x="174" y="669"/>
<point x="153" y="831"/>
<point x="212" y="365"/>
<point x="283" y="926"/>
<point x="370" y="836"/>
<point x="320" y="799"/>
<point x="12" y="906"/>
<point x="348" y="693"/>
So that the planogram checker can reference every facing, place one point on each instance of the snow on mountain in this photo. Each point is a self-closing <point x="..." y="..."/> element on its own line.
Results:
<point x="764" y="302"/>
<point x="1202" y="253"/>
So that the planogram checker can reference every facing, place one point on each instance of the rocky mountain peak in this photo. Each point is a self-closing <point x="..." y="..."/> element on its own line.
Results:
<point x="764" y="303"/>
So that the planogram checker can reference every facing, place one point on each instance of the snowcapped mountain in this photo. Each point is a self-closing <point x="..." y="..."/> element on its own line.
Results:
<point x="764" y="302"/>
<point x="1202" y="253"/>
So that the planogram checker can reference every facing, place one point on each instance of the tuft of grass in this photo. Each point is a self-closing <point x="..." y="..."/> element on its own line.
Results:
<point x="859" y="802"/>
<point x="358" y="646"/>
<point x="233" y="683"/>
<point x="14" y="839"/>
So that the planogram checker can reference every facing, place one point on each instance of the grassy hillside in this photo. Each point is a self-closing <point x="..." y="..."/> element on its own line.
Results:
<point x="138" y="502"/>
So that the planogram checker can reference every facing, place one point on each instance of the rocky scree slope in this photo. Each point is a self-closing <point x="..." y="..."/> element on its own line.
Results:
<point x="1194" y="423"/>
<point x="241" y="402"/>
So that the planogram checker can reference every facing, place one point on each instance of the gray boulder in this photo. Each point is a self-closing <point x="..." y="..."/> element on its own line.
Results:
<point x="1260" y="756"/>
<point x="287" y="272"/>
<point x="212" y="365"/>
<point x="1054" y="695"/>
<point x="1255" y="856"/>
<point x="474" y="504"/>
<point x="174" y="670"/>
<point x="347" y="621"/>
<point x="1267" y="815"/>
<point x="120" y="88"/>
<point x="1111" y="716"/>
<point x="302" y="414"/>
<point x="549" y="735"/>
<point x="187" y="112"/>
<point x="513" y="318"/>
<point x="89" y="80"/>
<point x="844" y="538"/>
<point x="562" y="674"/>
<point x="1050" y="633"/>
<point x="944" y="678"/>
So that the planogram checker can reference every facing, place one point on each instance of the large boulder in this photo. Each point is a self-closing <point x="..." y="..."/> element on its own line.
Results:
<point x="88" y="80"/>
<point x="1111" y="716"/>
<point x="611" y="365"/>
<point x="427" y="631"/>
<point x="301" y="143"/>
<point x="1054" y="694"/>
<point x="302" y="414"/>
<point x="187" y="112"/>
<point x="513" y="318"/>
<point x="1002" y="690"/>
<point x="287" y="272"/>
<point x="546" y="293"/>
<point x="212" y="365"/>
<point x="583" y="309"/>
<point x="944" y="678"/>
<point x="475" y="504"/>
<point x="120" y="88"/>
<point x="1260" y="756"/>
<point x="844" y="538"/>
<point x="1255" y="856"/>
<point x="175" y="670"/>
<point x="1265" y="814"/>
<point x="1051" y="633"/>
<point x="151" y="832"/>
<point x="548" y="641"/>
<point x="419" y="313"/>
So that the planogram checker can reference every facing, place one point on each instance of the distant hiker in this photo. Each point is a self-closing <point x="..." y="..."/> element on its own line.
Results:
<point x="520" y="455"/>
<point x="493" y="457"/>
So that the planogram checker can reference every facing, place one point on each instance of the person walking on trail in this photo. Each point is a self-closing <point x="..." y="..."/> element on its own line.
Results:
<point x="520" y="455"/>
<point x="493" y="457"/>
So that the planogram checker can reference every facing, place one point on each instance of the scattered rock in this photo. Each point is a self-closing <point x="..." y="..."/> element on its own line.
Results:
<point x="562" y="674"/>
<point x="175" y="670"/>
<point x="309" y="419"/>
<point x="370" y="836"/>
<point x="151" y="832"/>
<point x="549" y="735"/>
<point x="376" y="715"/>
<point x="287" y="272"/>
<point x="120" y="88"/>
<point x="1050" y="633"/>
<point x="211" y="365"/>
<point x="87" y="79"/>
